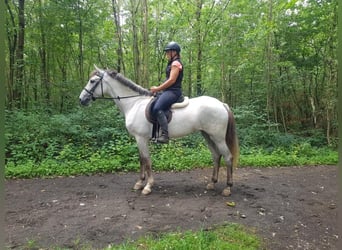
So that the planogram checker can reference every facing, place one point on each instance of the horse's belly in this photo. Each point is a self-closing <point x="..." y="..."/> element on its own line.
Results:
<point x="181" y="129"/>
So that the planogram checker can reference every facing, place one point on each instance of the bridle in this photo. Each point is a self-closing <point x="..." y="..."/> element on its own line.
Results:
<point x="99" y="81"/>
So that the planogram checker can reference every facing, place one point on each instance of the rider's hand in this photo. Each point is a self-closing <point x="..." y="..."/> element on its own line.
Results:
<point x="154" y="89"/>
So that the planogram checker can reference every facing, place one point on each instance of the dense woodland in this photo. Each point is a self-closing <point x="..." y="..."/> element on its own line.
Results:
<point x="275" y="57"/>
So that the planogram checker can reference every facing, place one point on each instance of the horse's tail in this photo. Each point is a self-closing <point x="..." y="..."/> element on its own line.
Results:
<point x="231" y="137"/>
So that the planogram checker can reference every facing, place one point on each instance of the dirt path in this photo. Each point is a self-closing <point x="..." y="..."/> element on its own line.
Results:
<point x="291" y="208"/>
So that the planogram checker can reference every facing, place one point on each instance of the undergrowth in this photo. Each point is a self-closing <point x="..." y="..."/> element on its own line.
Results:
<point x="95" y="140"/>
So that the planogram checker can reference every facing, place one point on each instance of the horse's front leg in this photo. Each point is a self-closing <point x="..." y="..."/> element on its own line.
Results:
<point x="146" y="164"/>
<point x="140" y="183"/>
<point x="145" y="167"/>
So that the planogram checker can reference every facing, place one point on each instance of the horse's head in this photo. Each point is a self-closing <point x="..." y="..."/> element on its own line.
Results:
<point x="94" y="87"/>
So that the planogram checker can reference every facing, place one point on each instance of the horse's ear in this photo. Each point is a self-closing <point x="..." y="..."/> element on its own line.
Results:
<point x="98" y="69"/>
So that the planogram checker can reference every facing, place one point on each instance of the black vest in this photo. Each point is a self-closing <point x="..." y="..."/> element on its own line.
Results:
<point x="178" y="84"/>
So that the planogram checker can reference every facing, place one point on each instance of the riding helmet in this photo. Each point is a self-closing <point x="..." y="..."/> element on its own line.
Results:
<point x="173" y="46"/>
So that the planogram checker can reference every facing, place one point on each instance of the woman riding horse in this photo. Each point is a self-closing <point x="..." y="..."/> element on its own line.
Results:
<point x="171" y="89"/>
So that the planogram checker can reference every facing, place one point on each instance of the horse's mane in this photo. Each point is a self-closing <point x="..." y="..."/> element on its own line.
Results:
<point x="127" y="82"/>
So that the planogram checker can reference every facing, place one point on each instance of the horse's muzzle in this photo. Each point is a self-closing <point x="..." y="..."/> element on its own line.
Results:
<point x="85" y="101"/>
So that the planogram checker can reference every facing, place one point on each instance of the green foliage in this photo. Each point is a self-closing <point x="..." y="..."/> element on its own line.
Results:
<point x="230" y="236"/>
<point x="178" y="155"/>
<point x="72" y="136"/>
<point x="94" y="140"/>
<point x="279" y="55"/>
<point x="298" y="155"/>
<point x="274" y="64"/>
<point x="255" y="131"/>
<point x="84" y="141"/>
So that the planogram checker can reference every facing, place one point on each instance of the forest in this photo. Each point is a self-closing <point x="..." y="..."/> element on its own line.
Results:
<point x="273" y="61"/>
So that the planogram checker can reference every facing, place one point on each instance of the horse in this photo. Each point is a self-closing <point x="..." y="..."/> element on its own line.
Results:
<point x="213" y="118"/>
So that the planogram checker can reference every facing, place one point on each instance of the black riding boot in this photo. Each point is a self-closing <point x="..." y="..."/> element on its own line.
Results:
<point x="161" y="118"/>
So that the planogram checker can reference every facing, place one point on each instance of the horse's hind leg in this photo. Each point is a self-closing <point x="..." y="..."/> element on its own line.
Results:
<point x="228" y="160"/>
<point x="223" y="150"/>
<point x="216" y="156"/>
<point x="216" y="160"/>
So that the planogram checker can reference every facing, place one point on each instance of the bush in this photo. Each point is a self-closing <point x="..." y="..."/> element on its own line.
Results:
<point x="38" y="136"/>
<point x="255" y="131"/>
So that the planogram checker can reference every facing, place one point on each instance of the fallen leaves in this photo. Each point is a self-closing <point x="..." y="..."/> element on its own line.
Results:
<point x="230" y="203"/>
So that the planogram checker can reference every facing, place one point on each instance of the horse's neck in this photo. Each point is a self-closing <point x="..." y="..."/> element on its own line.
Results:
<point x="124" y="97"/>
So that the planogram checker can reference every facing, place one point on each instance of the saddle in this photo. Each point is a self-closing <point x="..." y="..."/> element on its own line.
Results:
<point x="182" y="102"/>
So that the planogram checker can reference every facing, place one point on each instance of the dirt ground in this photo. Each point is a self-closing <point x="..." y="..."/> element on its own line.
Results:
<point x="290" y="208"/>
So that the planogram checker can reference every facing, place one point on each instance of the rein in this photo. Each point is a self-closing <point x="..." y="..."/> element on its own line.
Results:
<point x="91" y="92"/>
<point x="115" y="98"/>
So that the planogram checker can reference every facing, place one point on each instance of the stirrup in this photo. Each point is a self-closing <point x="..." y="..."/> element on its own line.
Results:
<point x="164" y="139"/>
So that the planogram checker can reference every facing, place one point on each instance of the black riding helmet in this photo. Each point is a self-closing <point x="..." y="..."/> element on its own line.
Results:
<point x="173" y="46"/>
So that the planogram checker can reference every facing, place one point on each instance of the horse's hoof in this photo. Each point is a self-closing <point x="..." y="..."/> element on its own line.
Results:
<point x="226" y="191"/>
<point x="138" y="186"/>
<point x="211" y="186"/>
<point x="146" y="191"/>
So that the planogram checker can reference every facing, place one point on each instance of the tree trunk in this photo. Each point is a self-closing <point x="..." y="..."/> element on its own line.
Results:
<point x="12" y="37"/>
<point x="136" y="54"/>
<point x="146" y="47"/>
<point x="199" y="90"/>
<point x="19" y="58"/>
<point x="223" y="81"/>
<point x="44" y="75"/>
<point x="269" y="101"/>
<point x="120" y="66"/>
<point x="80" y="46"/>
<point x="190" y="75"/>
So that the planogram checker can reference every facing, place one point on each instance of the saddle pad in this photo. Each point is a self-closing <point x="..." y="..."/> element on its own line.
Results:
<point x="182" y="104"/>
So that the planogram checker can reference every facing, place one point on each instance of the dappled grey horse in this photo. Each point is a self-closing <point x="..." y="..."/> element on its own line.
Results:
<point x="212" y="117"/>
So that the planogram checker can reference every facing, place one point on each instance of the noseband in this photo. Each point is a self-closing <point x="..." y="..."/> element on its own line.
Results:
<point x="99" y="81"/>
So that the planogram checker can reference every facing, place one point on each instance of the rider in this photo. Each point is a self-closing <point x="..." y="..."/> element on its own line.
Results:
<point x="171" y="89"/>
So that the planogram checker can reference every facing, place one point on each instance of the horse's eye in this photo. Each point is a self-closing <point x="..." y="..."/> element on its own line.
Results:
<point x="92" y="81"/>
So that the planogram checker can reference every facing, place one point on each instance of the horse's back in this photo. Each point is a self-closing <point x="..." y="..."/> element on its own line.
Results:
<point x="208" y="105"/>
<point x="203" y="113"/>
<point x="206" y="100"/>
